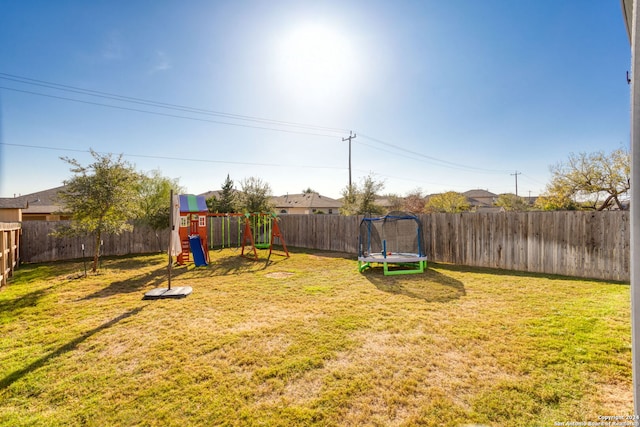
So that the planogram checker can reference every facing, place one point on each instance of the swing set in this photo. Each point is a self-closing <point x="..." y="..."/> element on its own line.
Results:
<point x="250" y="231"/>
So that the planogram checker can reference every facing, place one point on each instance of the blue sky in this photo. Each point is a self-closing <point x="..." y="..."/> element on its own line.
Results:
<point x="443" y="95"/>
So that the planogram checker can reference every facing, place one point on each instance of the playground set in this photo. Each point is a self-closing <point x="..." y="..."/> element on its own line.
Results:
<point x="394" y="239"/>
<point x="193" y="230"/>
<point x="190" y="220"/>
<point x="199" y="231"/>
<point x="250" y="231"/>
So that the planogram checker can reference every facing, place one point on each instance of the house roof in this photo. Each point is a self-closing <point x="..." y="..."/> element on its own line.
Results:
<point x="627" y="14"/>
<point x="34" y="203"/>
<point x="210" y="194"/>
<point x="479" y="194"/>
<point x="43" y="201"/>
<point x="385" y="202"/>
<point x="305" y="200"/>
<point x="12" y="203"/>
<point x="215" y="193"/>
<point x="482" y="198"/>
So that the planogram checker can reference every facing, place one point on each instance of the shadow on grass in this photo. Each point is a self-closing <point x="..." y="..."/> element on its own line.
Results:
<point x="11" y="306"/>
<point x="27" y="273"/>
<point x="59" y="270"/>
<point x="274" y="259"/>
<point x="71" y="345"/>
<point x="429" y="286"/>
<point x="235" y="264"/>
<point x="136" y="284"/>
<point x="514" y="273"/>
<point x="130" y="262"/>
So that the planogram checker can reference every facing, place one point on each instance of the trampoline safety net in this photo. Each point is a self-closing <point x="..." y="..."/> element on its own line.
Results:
<point x="395" y="233"/>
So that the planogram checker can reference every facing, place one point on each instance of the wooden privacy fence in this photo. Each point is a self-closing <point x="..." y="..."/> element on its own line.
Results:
<point x="324" y="232"/>
<point x="40" y="246"/>
<point x="9" y="249"/>
<point x="580" y="244"/>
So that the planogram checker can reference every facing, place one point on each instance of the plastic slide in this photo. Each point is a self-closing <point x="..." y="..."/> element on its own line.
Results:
<point x="197" y="250"/>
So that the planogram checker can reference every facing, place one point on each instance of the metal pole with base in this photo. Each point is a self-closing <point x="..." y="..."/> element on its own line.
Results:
<point x="169" y="292"/>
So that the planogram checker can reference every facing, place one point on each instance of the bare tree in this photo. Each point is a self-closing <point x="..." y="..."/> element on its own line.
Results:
<point x="597" y="181"/>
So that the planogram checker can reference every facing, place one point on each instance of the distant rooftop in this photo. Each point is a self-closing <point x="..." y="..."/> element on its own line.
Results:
<point x="305" y="200"/>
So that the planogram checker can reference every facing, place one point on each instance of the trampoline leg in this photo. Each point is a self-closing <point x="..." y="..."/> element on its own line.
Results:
<point x="362" y="266"/>
<point x="418" y="267"/>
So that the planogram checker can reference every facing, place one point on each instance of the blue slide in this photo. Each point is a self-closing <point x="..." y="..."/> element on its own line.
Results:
<point x="197" y="251"/>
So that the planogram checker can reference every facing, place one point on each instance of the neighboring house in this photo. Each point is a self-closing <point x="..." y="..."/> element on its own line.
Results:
<point x="481" y="199"/>
<point x="215" y="193"/>
<point x="43" y="206"/>
<point x="210" y="194"/>
<point x="40" y="206"/>
<point x="389" y="204"/>
<point x="11" y="209"/>
<point x="306" y="204"/>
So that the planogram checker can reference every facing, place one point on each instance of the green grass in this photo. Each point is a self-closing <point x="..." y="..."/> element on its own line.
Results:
<point x="307" y="341"/>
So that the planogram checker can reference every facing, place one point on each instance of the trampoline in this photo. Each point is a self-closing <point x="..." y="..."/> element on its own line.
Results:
<point x="394" y="240"/>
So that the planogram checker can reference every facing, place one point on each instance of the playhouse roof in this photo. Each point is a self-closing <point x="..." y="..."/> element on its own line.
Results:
<point x="191" y="203"/>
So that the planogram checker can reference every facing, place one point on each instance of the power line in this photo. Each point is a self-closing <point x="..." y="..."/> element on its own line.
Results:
<point x="185" y="159"/>
<point x="441" y="162"/>
<point x="432" y="162"/>
<point x="200" y="160"/>
<point x="532" y="178"/>
<point x="142" y="101"/>
<point x="281" y="125"/>
<point x="157" y="113"/>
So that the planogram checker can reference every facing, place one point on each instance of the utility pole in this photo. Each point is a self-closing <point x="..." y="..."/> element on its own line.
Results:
<point x="516" y="175"/>
<point x="349" y="138"/>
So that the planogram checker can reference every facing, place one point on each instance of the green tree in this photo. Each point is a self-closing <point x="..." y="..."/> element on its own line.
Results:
<point x="155" y="203"/>
<point x="212" y="204"/>
<point x="368" y="194"/>
<point x="555" y="202"/>
<point x="227" y="202"/>
<point x="450" y="202"/>
<point x="596" y="181"/>
<point x="102" y="198"/>
<point x="309" y="190"/>
<point x="360" y="199"/>
<point x="255" y="195"/>
<point x="511" y="202"/>
<point x="349" y="200"/>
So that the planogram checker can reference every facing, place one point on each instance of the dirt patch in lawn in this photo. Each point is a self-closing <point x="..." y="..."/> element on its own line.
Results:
<point x="279" y="275"/>
<point x="320" y="255"/>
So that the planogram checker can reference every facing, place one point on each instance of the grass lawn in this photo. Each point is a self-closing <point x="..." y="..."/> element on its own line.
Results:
<point x="307" y="341"/>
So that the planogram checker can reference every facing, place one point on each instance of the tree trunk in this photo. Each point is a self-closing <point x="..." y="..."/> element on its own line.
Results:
<point x="605" y="204"/>
<point x="96" y="253"/>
